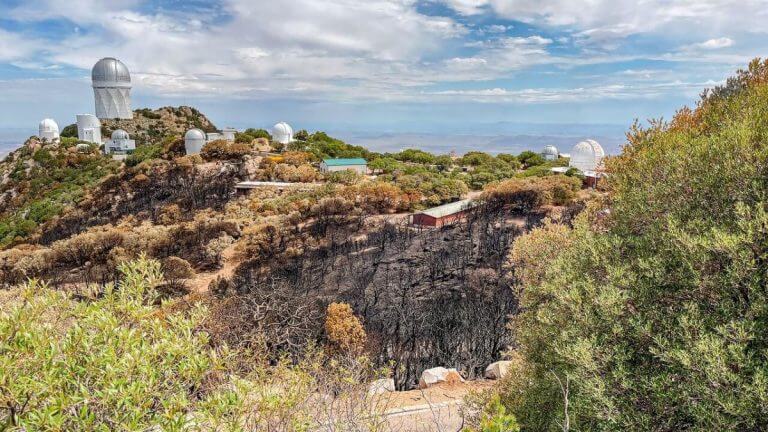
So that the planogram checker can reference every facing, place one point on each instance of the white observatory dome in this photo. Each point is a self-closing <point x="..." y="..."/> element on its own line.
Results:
<point x="282" y="133"/>
<point x="112" y="89"/>
<point x="550" y="152"/>
<point x="120" y="134"/>
<point x="48" y="130"/>
<point x="194" y="140"/>
<point x="587" y="156"/>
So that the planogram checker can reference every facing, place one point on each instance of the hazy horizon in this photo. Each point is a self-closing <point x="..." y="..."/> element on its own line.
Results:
<point x="509" y="138"/>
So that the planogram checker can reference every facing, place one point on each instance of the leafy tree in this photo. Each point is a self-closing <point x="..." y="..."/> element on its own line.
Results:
<point x="509" y="159"/>
<point x="69" y="131"/>
<point x="530" y="159"/>
<point x="301" y="135"/>
<point x="385" y="164"/>
<point x="258" y="133"/>
<point x="343" y="329"/>
<point x="415" y="156"/>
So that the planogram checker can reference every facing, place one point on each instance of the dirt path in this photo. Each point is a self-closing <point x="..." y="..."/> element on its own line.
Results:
<point x="434" y="409"/>
<point x="199" y="284"/>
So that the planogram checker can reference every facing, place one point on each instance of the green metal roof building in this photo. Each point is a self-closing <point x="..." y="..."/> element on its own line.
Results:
<point x="358" y="165"/>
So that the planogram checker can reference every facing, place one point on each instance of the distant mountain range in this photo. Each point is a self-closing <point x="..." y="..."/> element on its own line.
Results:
<point x="496" y="138"/>
<point x="445" y="143"/>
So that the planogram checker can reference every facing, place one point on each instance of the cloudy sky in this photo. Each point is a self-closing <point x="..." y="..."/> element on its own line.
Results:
<point x="384" y="65"/>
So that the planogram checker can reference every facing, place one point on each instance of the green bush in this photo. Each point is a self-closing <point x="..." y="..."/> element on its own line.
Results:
<point x="224" y="150"/>
<point x="655" y="310"/>
<point x="143" y="153"/>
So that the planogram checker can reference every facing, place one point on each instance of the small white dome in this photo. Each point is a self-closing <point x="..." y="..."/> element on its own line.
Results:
<point x="120" y="134"/>
<point x="194" y="134"/>
<point x="282" y="133"/>
<point x="194" y="140"/>
<point x="550" y="152"/>
<point x="48" y="129"/>
<point x="587" y="156"/>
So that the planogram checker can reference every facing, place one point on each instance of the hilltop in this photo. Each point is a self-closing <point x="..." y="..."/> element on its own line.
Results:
<point x="151" y="126"/>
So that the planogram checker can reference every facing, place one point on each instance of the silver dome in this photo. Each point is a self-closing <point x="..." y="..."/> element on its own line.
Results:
<point x="110" y="70"/>
<point x="120" y="134"/>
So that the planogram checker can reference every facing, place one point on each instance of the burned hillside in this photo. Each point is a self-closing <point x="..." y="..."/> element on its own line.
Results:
<point x="426" y="297"/>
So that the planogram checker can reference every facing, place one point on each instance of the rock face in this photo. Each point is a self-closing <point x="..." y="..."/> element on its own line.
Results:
<point x="151" y="126"/>
<point x="381" y="386"/>
<point x="438" y="375"/>
<point x="497" y="370"/>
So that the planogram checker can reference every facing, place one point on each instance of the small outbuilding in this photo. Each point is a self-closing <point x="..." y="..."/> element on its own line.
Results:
<point x="443" y="215"/>
<point x="358" y="165"/>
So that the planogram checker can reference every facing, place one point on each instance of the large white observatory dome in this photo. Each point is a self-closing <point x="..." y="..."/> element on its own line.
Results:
<point x="194" y="140"/>
<point x="550" y="153"/>
<point x="587" y="156"/>
<point x="112" y="89"/>
<point x="48" y="130"/>
<point x="282" y="133"/>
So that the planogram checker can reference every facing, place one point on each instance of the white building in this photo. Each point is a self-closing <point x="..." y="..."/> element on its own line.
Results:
<point x="194" y="140"/>
<point x="48" y="130"/>
<point x="550" y="153"/>
<point x="88" y="128"/>
<point x="587" y="156"/>
<point x="229" y="134"/>
<point x="120" y="143"/>
<point x="282" y="133"/>
<point x="112" y="89"/>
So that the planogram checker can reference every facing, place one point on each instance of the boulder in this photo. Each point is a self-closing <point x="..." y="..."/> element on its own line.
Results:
<point x="381" y="386"/>
<point x="497" y="370"/>
<point x="438" y="375"/>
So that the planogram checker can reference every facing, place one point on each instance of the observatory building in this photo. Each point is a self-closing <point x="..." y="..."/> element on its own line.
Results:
<point x="120" y="143"/>
<point x="550" y="153"/>
<point x="112" y="89"/>
<point x="88" y="128"/>
<point x="48" y="130"/>
<point x="587" y="156"/>
<point x="194" y="140"/>
<point x="282" y="133"/>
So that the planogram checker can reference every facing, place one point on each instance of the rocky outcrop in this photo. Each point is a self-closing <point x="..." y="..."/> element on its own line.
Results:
<point x="152" y="126"/>
<point x="497" y="370"/>
<point x="439" y="375"/>
<point x="381" y="386"/>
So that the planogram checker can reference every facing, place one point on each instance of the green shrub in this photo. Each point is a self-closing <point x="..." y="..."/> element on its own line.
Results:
<point x="143" y="153"/>
<point x="224" y="150"/>
<point x="655" y="310"/>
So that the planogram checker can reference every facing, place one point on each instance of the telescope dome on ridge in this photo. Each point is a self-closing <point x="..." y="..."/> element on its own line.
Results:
<point x="587" y="156"/>
<point x="112" y="89"/>
<point x="48" y="130"/>
<point x="282" y="133"/>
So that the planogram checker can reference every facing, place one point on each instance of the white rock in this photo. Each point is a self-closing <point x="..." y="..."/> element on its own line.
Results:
<point x="381" y="386"/>
<point x="439" y="375"/>
<point x="497" y="370"/>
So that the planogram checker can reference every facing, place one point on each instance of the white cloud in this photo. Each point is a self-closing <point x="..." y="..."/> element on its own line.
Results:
<point x="718" y="43"/>
<point x="601" y="20"/>
<point x="579" y="94"/>
<point x="14" y="47"/>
